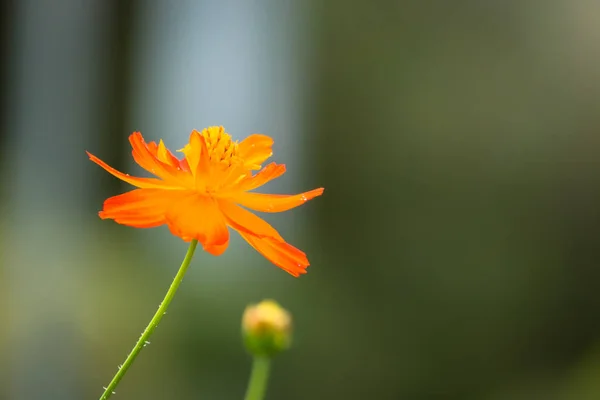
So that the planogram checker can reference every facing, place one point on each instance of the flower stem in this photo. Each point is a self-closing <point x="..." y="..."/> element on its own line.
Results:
<point x="162" y="309"/>
<point x="258" y="378"/>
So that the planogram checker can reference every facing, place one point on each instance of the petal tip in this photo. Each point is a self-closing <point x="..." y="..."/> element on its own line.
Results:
<point x="296" y="273"/>
<point x="135" y="135"/>
<point x="313" y="193"/>
<point x="267" y="140"/>
<point x="136" y="138"/>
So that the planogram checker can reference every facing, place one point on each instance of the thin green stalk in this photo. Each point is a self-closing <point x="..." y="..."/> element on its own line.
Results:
<point x="162" y="310"/>
<point x="258" y="378"/>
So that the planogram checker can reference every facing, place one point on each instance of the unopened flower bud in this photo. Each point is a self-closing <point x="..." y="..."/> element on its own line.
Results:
<point x="266" y="328"/>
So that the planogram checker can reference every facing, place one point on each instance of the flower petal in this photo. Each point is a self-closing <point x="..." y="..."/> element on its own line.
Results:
<point x="275" y="202"/>
<point x="161" y="152"/>
<point x="280" y="253"/>
<point x="265" y="175"/>
<point x="139" y="182"/>
<point x="164" y="154"/>
<point x="191" y="151"/>
<point x="216" y="249"/>
<point x="203" y="170"/>
<point x="140" y="208"/>
<point x="150" y="162"/>
<point x="244" y="220"/>
<point x="195" y="216"/>
<point x="229" y="179"/>
<point x="197" y="159"/>
<point x="254" y="150"/>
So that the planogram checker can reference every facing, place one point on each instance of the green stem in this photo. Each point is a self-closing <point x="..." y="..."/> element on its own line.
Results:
<point x="258" y="378"/>
<point x="162" y="310"/>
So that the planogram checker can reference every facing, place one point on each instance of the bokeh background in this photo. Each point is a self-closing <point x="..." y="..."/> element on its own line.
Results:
<point x="455" y="252"/>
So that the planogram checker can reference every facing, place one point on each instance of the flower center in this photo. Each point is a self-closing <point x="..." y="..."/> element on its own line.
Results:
<point x="221" y="149"/>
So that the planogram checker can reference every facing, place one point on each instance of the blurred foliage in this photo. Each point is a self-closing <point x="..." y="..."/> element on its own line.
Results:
<point x="460" y="162"/>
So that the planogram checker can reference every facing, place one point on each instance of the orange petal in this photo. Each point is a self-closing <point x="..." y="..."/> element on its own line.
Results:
<point x="161" y="152"/>
<point x="265" y="175"/>
<point x="254" y="150"/>
<point x="166" y="156"/>
<point x="153" y="147"/>
<point x="184" y="164"/>
<point x="203" y="171"/>
<point x="145" y="159"/>
<point x="198" y="217"/>
<point x="275" y="202"/>
<point x="191" y="151"/>
<point x="140" y="208"/>
<point x="216" y="249"/>
<point x="197" y="159"/>
<point x="280" y="253"/>
<point x="139" y="182"/>
<point x="244" y="220"/>
<point x="228" y="180"/>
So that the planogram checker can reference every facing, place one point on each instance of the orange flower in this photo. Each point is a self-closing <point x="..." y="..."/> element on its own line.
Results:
<point x="197" y="196"/>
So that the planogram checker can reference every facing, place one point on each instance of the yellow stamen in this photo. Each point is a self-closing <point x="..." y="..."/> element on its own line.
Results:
<point x="221" y="148"/>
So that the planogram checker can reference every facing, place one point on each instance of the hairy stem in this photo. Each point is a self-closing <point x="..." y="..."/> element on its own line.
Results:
<point x="162" y="309"/>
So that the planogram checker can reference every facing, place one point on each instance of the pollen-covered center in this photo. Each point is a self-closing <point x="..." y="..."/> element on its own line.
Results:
<point x="221" y="148"/>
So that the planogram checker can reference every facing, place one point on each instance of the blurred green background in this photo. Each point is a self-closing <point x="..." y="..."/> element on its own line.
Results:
<point x="455" y="250"/>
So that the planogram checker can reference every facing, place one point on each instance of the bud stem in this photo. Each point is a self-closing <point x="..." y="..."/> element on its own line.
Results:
<point x="162" y="309"/>
<point x="258" y="378"/>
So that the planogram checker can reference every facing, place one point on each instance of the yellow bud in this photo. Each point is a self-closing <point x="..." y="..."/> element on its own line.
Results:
<point x="266" y="328"/>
